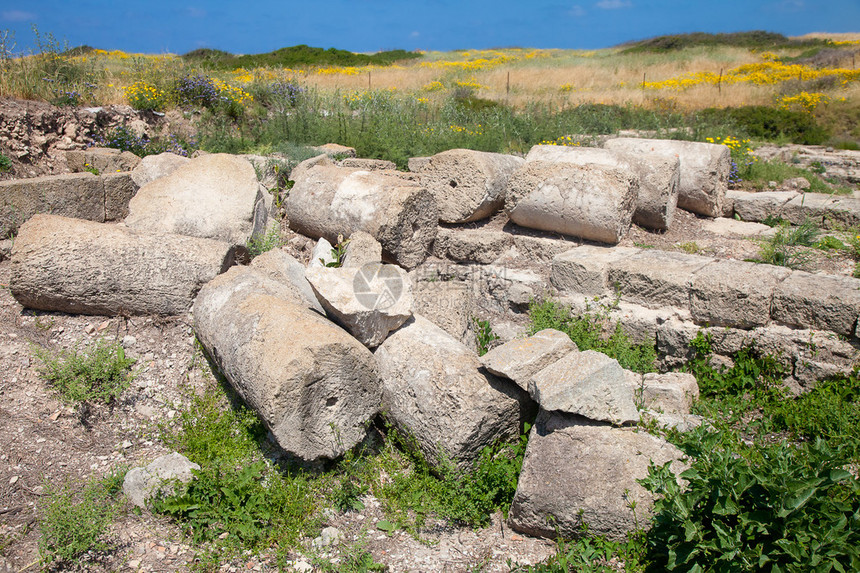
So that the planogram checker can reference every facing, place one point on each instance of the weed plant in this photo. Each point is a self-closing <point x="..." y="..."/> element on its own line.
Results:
<point x="592" y="330"/>
<point x="590" y="554"/>
<point x="99" y="373"/>
<point x="5" y="164"/>
<point x="270" y="240"/>
<point x="484" y="335"/>
<point x="236" y="491"/>
<point x="767" y="488"/>
<point x="74" y="521"/>
<point x="789" y="246"/>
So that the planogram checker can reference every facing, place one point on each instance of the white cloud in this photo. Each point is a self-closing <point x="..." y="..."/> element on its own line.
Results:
<point x="17" y="16"/>
<point x="415" y="34"/>
<point x="613" y="4"/>
<point x="576" y="11"/>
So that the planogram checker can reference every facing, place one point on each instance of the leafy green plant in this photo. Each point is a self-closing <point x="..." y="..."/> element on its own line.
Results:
<point x="589" y="554"/>
<point x="781" y="507"/>
<point x="338" y="253"/>
<point x="351" y="558"/>
<point x="90" y="169"/>
<point x="270" y="240"/>
<point x="5" y="164"/>
<point x="235" y="492"/>
<point x="750" y="371"/>
<point x="592" y="330"/>
<point x="416" y="492"/>
<point x="101" y="372"/>
<point x="484" y="335"/>
<point x="74" y="520"/>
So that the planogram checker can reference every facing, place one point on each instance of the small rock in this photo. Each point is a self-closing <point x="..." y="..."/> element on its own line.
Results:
<point x="13" y="480"/>
<point x="126" y="445"/>
<point x="128" y="341"/>
<point x="328" y="537"/>
<point x="90" y="329"/>
<point x="133" y="564"/>
<point x="303" y="566"/>
<point x="103" y="325"/>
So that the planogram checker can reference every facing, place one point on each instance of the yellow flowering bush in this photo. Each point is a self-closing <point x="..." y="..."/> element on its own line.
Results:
<point x="804" y="100"/>
<point x="142" y="95"/>
<point x="768" y="72"/>
<point x="433" y="86"/>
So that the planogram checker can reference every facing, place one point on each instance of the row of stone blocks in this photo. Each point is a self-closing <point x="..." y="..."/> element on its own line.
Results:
<point x="829" y="211"/>
<point x="727" y="293"/>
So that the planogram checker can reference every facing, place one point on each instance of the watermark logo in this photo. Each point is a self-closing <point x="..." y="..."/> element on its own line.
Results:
<point x="377" y="286"/>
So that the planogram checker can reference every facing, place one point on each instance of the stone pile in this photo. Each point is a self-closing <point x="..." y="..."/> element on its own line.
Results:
<point x="320" y="350"/>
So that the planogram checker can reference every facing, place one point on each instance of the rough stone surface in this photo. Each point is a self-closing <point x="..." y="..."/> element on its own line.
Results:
<point x="828" y="302"/>
<point x="361" y="250"/>
<point x="369" y="164"/>
<point x="76" y="266"/>
<point x="416" y="164"/>
<point x="734" y="228"/>
<point x="336" y="150"/>
<point x="680" y="422"/>
<point x="450" y="305"/>
<point x="594" y="203"/>
<point x="671" y="393"/>
<point x="322" y="255"/>
<point x="588" y="384"/>
<point x="282" y="267"/>
<point x="758" y="206"/>
<point x="435" y="391"/>
<point x="327" y="200"/>
<point x="369" y="302"/>
<point x="659" y="178"/>
<point x="154" y="167"/>
<point x="519" y="360"/>
<point x="656" y="278"/>
<point x="734" y="293"/>
<point x="119" y="191"/>
<point x="542" y="249"/>
<point x="213" y="197"/>
<point x="314" y="386"/>
<point x="105" y="160"/>
<point x="576" y="472"/>
<point x="79" y="195"/>
<point x="585" y="269"/>
<point x="829" y="211"/>
<point x="704" y="167"/>
<point x="143" y="483"/>
<point x="468" y="185"/>
<point x="471" y="245"/>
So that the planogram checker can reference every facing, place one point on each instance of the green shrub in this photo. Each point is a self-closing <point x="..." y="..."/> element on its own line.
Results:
<point x="589" y="332"/>
<point x="295" y="57"/>
<point x="764" y="123"/>
<point x="5" y="164"/>
<point x="781" y="507"/>
<point x="75" y="520"/>
<point x="99" y="373"/>
<point x="757" y="39"/>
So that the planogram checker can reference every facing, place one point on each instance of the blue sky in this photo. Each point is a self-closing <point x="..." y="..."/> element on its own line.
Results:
<point x="157" y="26"/>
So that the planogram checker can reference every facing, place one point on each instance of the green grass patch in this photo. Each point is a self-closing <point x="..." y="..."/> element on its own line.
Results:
<point x="593" y="331"/>
<point x="758" y="175"/>
<point x="74" y="520"/>
<point x="100" y="372"/>
<point x="790" y="246"/>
